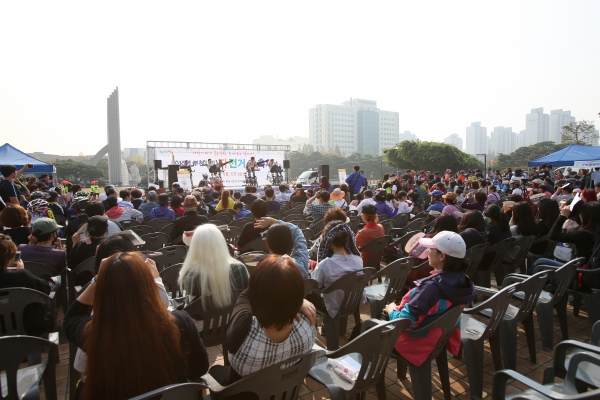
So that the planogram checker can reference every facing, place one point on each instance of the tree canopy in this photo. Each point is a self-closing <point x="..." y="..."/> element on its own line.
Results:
<point x="430" y="156"/>
<point x="582" y="132"/>
<point x="75" y="171"/>
<point x="521" y="156"/>
<point x="300" y="161"/>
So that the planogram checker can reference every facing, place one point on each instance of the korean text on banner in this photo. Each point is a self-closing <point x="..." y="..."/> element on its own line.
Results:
<point x="586" y="164"/>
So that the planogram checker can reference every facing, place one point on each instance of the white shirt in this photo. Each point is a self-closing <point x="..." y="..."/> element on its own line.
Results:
<point x="364" y="203"/>
<point x="331" y="269"/>
<point x="404" y="208"/>
<point x="596" y="176"/>
<point x="517" y="191"/>
<point x="283" y="197"/>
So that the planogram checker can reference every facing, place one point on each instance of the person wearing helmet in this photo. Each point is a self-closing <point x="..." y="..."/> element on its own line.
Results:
<point x="53" y="198"/>
<point x="78" y="203"/>
<point x="38" y="208"/>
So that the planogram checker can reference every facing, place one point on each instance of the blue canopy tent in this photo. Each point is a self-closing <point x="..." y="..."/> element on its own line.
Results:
<point x="566" y="157"/>
<point x="12" y="156"/>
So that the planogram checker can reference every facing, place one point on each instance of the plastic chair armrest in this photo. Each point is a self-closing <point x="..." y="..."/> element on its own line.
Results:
<point x="53" y="337"/>
<point x="514" y="278"/>
<point x="540" y="268"/>
<point x="560" y="354"/>
<point x="211" y="383"/>
<point x="501" y="378"/>
<point x="588" y="271"/>
<point x="483" y="291"/>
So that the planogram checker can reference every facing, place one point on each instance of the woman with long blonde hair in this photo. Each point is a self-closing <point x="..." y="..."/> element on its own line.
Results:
<point x="133" y="344"/>
<point x="209" y="269"/>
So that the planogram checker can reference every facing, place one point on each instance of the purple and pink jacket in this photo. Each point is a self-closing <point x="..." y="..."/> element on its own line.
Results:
<point x="430" y="297"/>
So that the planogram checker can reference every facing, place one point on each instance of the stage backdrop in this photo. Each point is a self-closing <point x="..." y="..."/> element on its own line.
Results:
<point x="234" y="162"/>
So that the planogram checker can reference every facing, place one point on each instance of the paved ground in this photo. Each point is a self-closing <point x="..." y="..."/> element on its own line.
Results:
<point x="579" y="329"/>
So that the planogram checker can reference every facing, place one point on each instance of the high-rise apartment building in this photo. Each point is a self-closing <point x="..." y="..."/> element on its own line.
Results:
<point x="477" y="139"/>
<point x="537" y="125"/>
<point x="558" y="119"/>
<point x="406" y="135"/>
<point x="521" y="138"/>
<point x="503" y="140"/>
<point x="454" y="140"/>
<point x="115" y="172"/>
<point x="356" y="125"/>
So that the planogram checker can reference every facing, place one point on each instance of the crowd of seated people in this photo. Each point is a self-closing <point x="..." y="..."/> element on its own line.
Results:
<point x="271" y="321"/>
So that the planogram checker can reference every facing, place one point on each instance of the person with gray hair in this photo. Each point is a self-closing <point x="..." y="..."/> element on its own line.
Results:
<point x="150" y="204"/>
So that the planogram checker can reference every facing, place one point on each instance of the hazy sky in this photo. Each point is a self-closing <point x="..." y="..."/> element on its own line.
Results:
<point x="233" y="70"/>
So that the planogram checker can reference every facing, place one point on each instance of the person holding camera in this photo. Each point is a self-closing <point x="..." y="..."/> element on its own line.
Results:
<point x="9" y="194"/>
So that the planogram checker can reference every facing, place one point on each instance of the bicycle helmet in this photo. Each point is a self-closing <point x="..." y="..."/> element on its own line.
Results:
<point x="79" y="203"/>
<point x="81" y="194"/>
<point x="37" y="205"/>
<point x="38" y="195"/>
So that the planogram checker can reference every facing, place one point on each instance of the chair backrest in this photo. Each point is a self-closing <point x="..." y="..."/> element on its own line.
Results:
<point x="170" y="255"/>
<point x="376" y="247"/>
<point x="309" y="286"/>
<point x="563" y="277"/>
<point x="446" y="322"/>
<point x="400" y="220"/>
<point x="416" y="225"/>
<point x="159" y="223"/>
<point x="215" y="320"/>
<point x="239" y="223"/>
<point x="293" y="211"/>
<point x="180" y="391"/>
<point x="396" y="273"/>
<point x="375" y="346"/>
<point x="352" y="285"/>
<point x="387" y="226"/>
<point x="169" y="277"/>
<point x="281" y="381"/>
<point x="498" y="303"/>
<point x="275" y="214"/>
<point x="129" y="223"/>
<point x="494" y="254"/>
<point x="222" y="218"/>
<point x="300" y="223"/>
<point x="155" y="241"/>
<point x="317" y="226"/>
<point x="308" y="234"/>
<point x="142" y="230"/>
<point x="40" y="270"/>
<point x="401" y="243"/>
<point x="524" y="243"/>
<point x="382" y="217"/>
<point x="14" y="350"/>
<point x="231" y="234"/>
<point x="82" y="273"/>
<point x="532" y="288"/>
<point x="167" y="228"/>
<point x="354" y="221"/>
<point x="473" y="257"/>
<point x="258" y="244"/>
<point x="12" y="304"/>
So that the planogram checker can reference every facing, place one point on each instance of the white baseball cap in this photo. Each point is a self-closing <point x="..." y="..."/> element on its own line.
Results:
<point x="447" y="242"/>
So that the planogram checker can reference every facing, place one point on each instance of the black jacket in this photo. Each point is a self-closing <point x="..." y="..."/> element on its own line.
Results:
<point x="188" y="222"/>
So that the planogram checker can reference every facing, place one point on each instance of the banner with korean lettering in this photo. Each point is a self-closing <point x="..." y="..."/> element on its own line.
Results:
<point x="586" y="164"/>
<point x="234" y="163"/>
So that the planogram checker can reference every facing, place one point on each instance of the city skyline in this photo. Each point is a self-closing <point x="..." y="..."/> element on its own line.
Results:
<point x="185" y="75"/>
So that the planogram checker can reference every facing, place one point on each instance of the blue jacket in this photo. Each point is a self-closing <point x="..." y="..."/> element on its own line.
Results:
<point x="437" y="206"/>
<point x="300" y="250"/>
<point x="383" y="208"/>
<point x="356" y="180"/>
<point x="162" y="212"/>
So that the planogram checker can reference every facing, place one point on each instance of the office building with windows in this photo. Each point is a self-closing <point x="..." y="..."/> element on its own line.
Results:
<point x="503" y="140"/>
<point x="558" y="119"/>
<point x="354" y="126"/>
<point x="454" y="140"/>
<point x="477" y="139"/>
<point x="537" y="126"/>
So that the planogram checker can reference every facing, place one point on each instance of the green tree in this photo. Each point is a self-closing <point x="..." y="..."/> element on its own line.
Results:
<point x="582" y="132"/>
<point x="74" y="171"/>
<point x="431" y="156"/>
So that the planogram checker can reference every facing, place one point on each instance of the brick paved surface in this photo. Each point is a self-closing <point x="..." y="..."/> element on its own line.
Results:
<point x="579" y="329"/>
